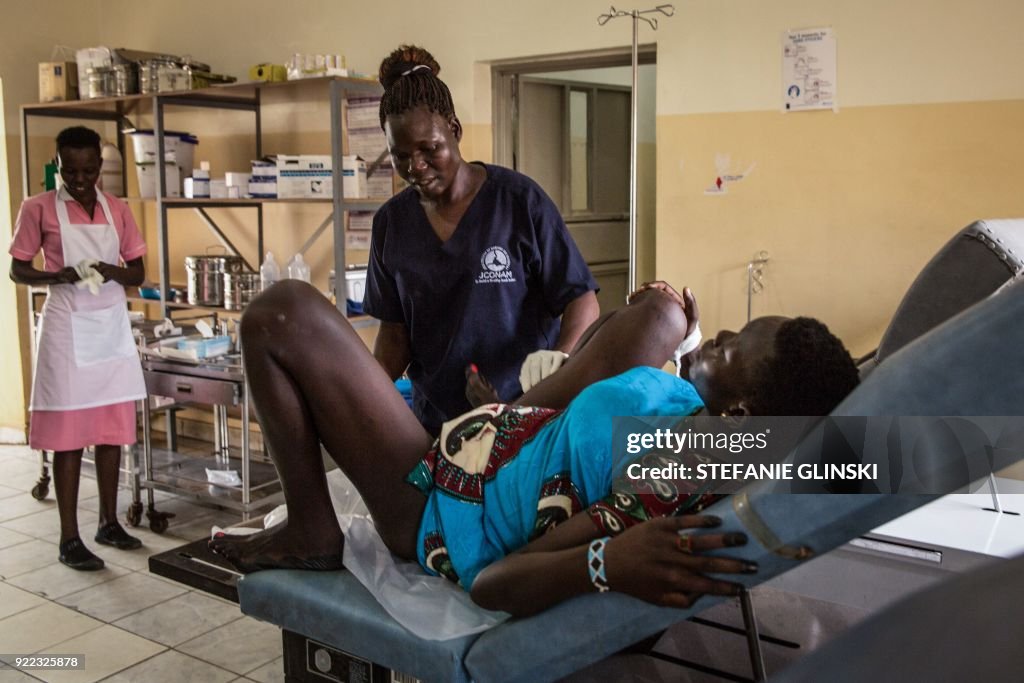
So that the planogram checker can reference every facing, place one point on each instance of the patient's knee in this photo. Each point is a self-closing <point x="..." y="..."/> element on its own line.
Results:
<point x="276" y="310"/>
<point x="661" y="312"/>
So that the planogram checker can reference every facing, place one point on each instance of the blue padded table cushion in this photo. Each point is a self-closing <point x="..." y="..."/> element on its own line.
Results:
<point x="335" y="609"/>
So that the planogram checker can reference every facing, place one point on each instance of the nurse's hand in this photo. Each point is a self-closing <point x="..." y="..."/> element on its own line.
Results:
<point x="108" y="271"/>
<point x="66" y="276"/>
<point x="538" y="365"/>
<point x="686" y="300"/>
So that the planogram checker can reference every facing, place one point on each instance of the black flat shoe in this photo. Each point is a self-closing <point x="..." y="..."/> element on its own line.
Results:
<point x="115" y="535"/>
<point x="74" y="554"/>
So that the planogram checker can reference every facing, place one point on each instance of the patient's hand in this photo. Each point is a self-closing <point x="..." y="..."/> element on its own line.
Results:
<point x="654" y="562"/>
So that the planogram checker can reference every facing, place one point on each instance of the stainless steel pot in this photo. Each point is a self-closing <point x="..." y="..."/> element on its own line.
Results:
<point x="206" y="278"/>
<point x="124" y="79"/>
<point x="163" y="75"/>
<point x="239" y="289"/>
<point x="98" y="80"/>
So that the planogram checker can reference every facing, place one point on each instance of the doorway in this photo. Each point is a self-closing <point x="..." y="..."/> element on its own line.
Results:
<point x="564" y="120"/>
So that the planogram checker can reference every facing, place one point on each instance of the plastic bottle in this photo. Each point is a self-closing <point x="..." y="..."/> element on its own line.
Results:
<point x="298" y="269"/>
<point x="269" y="272"/>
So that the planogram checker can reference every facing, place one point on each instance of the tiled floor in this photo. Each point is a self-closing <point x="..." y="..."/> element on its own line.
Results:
<point x="130" y="625"/>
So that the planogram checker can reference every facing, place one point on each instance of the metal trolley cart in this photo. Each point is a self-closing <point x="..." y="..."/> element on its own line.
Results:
<point x="220" y="383"/>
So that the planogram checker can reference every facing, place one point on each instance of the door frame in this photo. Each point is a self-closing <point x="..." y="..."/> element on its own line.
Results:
<point x="504" y="85"/>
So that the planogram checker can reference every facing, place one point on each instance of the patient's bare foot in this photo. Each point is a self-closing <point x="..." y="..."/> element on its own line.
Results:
<point x="478" y="390"/>
<point x="276" y="548"/>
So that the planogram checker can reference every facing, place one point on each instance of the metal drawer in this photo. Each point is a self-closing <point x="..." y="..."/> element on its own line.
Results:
<point x="186" y="388"/>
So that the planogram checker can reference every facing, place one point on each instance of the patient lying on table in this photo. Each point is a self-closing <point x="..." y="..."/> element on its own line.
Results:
<point x="477" y="508"/>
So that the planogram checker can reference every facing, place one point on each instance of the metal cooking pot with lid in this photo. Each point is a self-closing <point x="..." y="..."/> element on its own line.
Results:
<point x="240" y="288"/>
<point x="206" y="277"/>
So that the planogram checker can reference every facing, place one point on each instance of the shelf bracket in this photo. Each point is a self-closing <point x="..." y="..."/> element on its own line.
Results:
<point x="225" y="242"/>
<point x="316" y="234"/>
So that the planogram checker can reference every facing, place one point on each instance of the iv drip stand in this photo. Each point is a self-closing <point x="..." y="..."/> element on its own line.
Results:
<point x="637" y="15"/>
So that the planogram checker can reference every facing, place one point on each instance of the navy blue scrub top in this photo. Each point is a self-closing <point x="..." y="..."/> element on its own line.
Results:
<point x="490" y="295"/>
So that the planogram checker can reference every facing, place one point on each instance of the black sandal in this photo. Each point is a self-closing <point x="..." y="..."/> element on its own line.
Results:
<point x="114" y="534"/>
<point x="74" y="554"/>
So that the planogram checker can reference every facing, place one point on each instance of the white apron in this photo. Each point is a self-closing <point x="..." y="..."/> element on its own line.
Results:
<point x="85" y="354"/>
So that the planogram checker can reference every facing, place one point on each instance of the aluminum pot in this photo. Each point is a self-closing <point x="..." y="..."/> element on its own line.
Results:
<point x="206" y="278"/>
<point x="239" y="289"/>
<point x="124" y="79"/>
<point x="98" y="82"/>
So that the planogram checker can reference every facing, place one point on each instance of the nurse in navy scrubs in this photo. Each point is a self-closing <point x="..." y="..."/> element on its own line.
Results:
<point x="470" y="266"/>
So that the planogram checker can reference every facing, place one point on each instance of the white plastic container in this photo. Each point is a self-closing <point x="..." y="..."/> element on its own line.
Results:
<point x="269" y="272"/>
<point x="355" y="287"/>
<point x="111" y="179"/>
<point x="179" y="148"/>
<point x="298" y="269"/>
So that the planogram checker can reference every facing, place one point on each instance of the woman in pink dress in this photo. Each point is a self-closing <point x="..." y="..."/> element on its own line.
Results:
<point x="87" y="374"/>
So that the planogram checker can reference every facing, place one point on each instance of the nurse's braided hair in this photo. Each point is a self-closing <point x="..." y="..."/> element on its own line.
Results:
<point x="409" y="77"/>
<point x="78" y="137"/>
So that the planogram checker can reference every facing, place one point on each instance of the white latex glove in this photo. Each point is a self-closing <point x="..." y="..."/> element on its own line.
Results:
<point x="88" y="275"/>
<point x="686" y="346"/>
<point x="538" y="365"/>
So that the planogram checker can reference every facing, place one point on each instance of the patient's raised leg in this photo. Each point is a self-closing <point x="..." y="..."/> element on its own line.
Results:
<point x="313" y="380"/>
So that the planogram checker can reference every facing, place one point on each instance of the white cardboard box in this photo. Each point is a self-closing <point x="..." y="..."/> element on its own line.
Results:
<point x="304" y="176"/>
<point x="353" y="177"/>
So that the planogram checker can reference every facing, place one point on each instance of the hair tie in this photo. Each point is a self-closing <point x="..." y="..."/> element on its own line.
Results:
<point x="414" y="69"/>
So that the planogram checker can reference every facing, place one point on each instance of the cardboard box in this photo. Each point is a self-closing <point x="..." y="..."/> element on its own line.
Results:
<point x="304" y="176"/>
<point x="58" y="81"/>
<point x="237" y="179"/>
<point x="303" y="162"/>
<point x="268" y="72"/>
<point x="263" y="171"/>
<point x="353" y="177"/>
<point x="263" y="189"/>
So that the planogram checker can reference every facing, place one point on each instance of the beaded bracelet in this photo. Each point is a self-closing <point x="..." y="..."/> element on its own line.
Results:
<point x="595" y="563"/>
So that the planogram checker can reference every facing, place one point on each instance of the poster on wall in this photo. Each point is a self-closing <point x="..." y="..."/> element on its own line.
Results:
<point x="809" y="70"/>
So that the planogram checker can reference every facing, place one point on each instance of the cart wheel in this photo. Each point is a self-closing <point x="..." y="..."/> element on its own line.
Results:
<point x="135" y="514"/>
<point x="40" y="490"/>
<point x="158" y="524"/>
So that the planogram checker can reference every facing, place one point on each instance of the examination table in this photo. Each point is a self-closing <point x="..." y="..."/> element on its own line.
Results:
<point x="968" y="366"/>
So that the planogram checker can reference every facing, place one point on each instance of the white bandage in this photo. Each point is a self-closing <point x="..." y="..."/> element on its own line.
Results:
<point x="88" y="276"/>
<point x="691" y="342"/>
<point x="538" y="365"/>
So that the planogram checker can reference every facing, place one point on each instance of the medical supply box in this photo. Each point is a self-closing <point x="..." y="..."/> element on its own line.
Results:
<point x="305" y="176"/>
<point x="353" y="177"/>
<point x="58" y="81"/>
<point x="310" y="176"/>
<point x="205" y="347"/>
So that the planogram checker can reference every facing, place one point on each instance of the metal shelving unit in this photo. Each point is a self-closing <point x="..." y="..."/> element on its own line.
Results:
<point x="220" y="383"/>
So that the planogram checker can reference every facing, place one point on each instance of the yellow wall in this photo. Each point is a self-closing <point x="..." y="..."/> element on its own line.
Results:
<point x="849" y="205"/>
